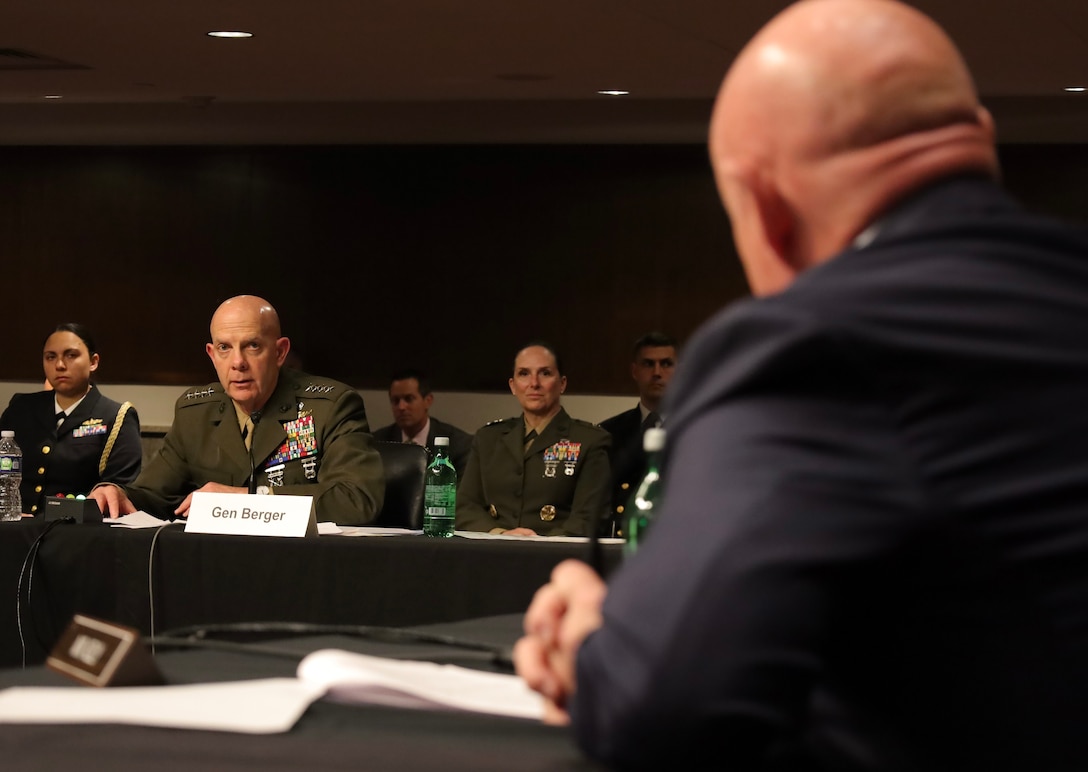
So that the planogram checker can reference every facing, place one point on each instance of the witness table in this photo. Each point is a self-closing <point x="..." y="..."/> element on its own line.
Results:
<point x="159" y="579"/>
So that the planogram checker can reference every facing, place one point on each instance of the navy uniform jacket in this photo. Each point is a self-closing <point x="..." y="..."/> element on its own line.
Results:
<point x="65" y="459"/>
<point x="626" y="458"/>
<point x="872" y="551"/>
<point x="460" y="441"/>
<point x="558" y="488"/>
<point x="312" y="440"/>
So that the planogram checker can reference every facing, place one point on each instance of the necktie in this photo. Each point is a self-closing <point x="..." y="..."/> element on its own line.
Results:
<point x="247" y="433"/>
<point x="532" y="435"/>
<point x="60" y="418"/>
<point x="652" y="420"/>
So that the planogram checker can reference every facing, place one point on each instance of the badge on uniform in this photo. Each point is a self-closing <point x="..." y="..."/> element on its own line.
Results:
<point x="89" y="428"/>
<point x="563" y="452"/>
<point x="275" y="475"/>
<point x="547" y="513"/>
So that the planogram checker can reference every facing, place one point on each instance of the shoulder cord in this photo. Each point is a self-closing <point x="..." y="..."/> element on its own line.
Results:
<point x="113" y="437"/>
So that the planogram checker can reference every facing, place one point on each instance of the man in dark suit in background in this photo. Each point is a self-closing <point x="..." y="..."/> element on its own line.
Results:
<point x="410" y="398"/>
<point x="872" y="547"/>
<point x="653" y="360"/>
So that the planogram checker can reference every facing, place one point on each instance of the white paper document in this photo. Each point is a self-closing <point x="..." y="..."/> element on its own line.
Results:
<point x="138" y="520"/>
<point x="360" y="678"/>
<point x="263" y="706"/>
<point x="375" y="530"/>
<point x="549" y="539"/>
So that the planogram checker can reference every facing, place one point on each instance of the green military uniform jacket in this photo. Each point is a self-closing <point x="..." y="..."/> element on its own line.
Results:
<point x="557" y="488"/>
<point x="312" y="439"/>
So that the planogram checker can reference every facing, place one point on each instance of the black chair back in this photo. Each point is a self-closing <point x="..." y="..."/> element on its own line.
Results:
<point x="405" y="473"/>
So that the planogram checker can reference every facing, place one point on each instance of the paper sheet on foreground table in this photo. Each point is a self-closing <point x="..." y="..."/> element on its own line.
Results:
<point x="359" y="678"/>
<point x="263" y="706"/>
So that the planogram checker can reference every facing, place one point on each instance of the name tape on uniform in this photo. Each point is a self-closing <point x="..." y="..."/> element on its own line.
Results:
<point x="245" y="514"/>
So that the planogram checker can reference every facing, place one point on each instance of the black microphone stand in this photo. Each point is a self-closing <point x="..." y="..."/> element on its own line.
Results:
<point x="255" y="418"/>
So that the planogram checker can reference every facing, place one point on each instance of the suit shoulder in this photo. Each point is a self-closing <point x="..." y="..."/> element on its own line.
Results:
<point x="386" y="433"/>
<point x="616" y="422"/>
<point x="449" y="429"/>
<point x="200" y="395"/>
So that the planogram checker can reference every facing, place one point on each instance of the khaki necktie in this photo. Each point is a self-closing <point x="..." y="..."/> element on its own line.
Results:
<point x="247" y="433"/>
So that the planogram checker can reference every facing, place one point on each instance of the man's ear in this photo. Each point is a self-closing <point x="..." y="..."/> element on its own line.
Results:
<point x="776" y="219"/>
<point x="283" y="346"/>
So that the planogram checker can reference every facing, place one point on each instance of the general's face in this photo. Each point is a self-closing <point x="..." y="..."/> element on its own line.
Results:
<point x="410" y="409"/>
<point x="68" y="364"/>
<point x="246" y="356"/>
<point x="537" y="383"/>
<point x="652" y="371"/>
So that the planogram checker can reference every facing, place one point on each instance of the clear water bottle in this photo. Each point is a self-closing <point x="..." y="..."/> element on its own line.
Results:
<point x="440" y="492"/>
<point x="640" y="508"/>
<point x="11" y="475"/>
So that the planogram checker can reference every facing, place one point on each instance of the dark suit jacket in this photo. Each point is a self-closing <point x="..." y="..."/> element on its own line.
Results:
<point x="312" y="440"/>
<point x="65" y="459"/>
<point x="626" y="458"/>
<point x="506" y="486"/>
<point x="872" y="551"/>
<point x="460" y="441"/>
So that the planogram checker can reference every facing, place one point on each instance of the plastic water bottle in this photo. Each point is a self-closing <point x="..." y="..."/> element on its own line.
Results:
<point x="11" y="475"/>
<point x="440" y="492"/>
<point x="640" y="509"/>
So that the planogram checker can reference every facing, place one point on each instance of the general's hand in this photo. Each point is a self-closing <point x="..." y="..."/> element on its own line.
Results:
<point x="516" y="531"/>
<point x="183" y="509"/>
<point x="112" y="500"/>
<point x="562" y="614"/>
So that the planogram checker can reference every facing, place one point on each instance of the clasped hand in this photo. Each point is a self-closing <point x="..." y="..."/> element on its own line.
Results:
<point x="562" y="613"/>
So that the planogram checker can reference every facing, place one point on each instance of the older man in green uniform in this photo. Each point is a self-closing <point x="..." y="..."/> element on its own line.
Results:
<point x="260" y="429"/>
<point x="541" y="473"/>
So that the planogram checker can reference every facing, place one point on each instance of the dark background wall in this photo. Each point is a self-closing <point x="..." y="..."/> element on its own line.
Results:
<point x="379" y="257"/>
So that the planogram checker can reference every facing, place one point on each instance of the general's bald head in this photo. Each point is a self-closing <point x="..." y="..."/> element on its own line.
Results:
<point x="834" y="110"/>
<point x="250" y="309"/>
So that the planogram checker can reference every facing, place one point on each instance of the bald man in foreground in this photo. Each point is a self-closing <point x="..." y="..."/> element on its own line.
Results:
<point x="873" y="546"/>
<point x="301" y="435"/>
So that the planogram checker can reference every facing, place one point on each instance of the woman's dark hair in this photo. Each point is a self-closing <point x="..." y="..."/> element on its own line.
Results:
<point x="544" y="345"/>
<point x="81" y="332"/>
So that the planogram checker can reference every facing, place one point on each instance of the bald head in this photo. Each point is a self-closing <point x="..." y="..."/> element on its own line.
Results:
<point x="250" y="308"/>
<point x="835" y="110"/>
<point x="247" y="350"/>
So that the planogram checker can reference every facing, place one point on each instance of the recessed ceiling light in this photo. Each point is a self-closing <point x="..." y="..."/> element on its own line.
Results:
<point x="227" y="34"/>
<point x="1076" y="88"/>
<point x="52" y="96"/>
<point x="614" y="92"/>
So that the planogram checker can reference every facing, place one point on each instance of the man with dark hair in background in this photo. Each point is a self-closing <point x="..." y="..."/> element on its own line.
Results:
<point x="653" y="360"/>
<point x="410" y="399"/>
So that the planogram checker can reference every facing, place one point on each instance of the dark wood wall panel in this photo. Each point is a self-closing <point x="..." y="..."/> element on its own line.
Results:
<point x="379" y="257"/>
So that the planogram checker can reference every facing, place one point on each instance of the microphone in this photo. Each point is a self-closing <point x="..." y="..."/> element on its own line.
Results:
<point x="255" y="418"/>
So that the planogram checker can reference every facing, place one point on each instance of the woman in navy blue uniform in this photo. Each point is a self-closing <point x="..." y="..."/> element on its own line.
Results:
<point x="71" y="435"/>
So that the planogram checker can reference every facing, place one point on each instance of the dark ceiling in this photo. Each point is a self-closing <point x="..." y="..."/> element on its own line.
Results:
<point x="446" y="71"/>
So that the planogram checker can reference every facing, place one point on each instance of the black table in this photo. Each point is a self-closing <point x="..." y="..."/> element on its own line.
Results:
<point x="209" y="579"/>
<point x="328" y="736"/>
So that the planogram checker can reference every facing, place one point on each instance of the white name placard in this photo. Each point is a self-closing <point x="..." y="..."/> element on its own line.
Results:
<point x="245" y="514"/>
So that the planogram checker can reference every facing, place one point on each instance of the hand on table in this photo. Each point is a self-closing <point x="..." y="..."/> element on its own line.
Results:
<point x="212" y="487"/>
<point x="562" y="613"/>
